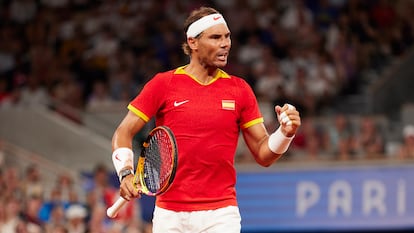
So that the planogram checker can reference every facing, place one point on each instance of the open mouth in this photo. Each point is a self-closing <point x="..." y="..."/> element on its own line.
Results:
<point x="222" y="57"/>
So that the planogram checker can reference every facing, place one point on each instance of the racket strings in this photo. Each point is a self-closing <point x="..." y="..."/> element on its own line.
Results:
<point x="157" y="168"/>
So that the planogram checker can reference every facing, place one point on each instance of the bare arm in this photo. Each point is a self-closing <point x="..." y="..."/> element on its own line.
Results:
<point x="126" y="131"/>
<point x="122" y="138"/>
<point x="257" y="137"/>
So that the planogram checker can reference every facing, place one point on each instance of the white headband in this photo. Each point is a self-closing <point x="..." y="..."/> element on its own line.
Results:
<point x="205" y="22"/>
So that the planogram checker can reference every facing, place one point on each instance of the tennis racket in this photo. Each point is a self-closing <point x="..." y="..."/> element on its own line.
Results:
<point x="156" y="166"/>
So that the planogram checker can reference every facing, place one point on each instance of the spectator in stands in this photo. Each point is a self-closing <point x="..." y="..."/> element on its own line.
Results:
<point x="123" y="85"/>
<point x="11" y="207"/>
<point x="67" y="95"/>
<point x="406" y="150"/>
<point x="30" y="214"/>
<point x="269" y="80"/>
<point x="57" y="220"/>
<point x="53" y="202"/>
<point x="308" y="142"/>
<point x="13" y="185"/>
<point x="32" y="183"/>
<point x="251" y="52"/>
<point x="339" y="137"/>
<point x="296" y="17"/>
<point x="104" y="46"/>
<point x="62" y="195"/>
<point x="65" y="184"/>
<point x="98" y="188"/>
<point x="98" y="220"/>
<point x="344" y="54"/>
<point x="369" y="141"/>
<point x="76" y="219"/>
<point x="100" y="98"/>
<point x="323" y="80"/>
<point x="299" y="92"/>
<point x="33" y="94"/>
<point x="101" y="194"/>
<point x="314" y="142"/>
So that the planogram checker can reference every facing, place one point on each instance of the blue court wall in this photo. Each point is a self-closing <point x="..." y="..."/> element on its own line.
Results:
<point x="347" y="198"/>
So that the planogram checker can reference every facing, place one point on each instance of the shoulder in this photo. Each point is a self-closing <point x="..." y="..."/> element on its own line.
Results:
<point x="233" y="78"/>
<point x="240" y="82"/>
<point x="162" y="78"/>
<point x="164" y="75"/>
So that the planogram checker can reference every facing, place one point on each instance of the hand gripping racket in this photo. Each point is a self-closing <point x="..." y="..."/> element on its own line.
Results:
<point x="156" y="166"/>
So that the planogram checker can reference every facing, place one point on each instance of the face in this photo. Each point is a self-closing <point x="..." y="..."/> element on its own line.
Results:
<point x="212" y="47"/>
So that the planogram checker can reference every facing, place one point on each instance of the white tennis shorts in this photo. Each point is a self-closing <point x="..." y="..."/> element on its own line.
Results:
<point x="221" y="220"/>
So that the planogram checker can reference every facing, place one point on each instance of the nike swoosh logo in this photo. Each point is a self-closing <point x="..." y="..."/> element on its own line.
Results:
<point x="216" y="18"/>
<point x="117" y="158"/>
<point x="176" y="104"/>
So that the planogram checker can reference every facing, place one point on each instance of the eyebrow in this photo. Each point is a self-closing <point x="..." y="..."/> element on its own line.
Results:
<point x="218" y="35"/>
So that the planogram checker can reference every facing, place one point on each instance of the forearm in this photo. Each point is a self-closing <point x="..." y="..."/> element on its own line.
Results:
<point x="122" y="154"/>
<point x="266" y="157"/>
<point x="273" y="147"/>
<point x="122" y="138"/>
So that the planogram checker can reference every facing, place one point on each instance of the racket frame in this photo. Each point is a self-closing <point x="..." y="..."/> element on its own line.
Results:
<point x="140" y="171"/>
<point x="139" y="174"/>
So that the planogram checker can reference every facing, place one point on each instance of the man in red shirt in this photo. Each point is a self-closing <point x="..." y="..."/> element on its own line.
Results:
<point x="206" y="108"/>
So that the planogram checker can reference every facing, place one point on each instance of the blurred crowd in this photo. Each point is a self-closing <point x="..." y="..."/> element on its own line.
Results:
<point x="29" y="205"/>
<point x="90" y="55"/>
<point x="86" y="54"/>
<point x="344" y="137"/>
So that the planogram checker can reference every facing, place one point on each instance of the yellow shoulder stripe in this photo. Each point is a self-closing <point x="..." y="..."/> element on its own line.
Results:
<point x="138" y="113"/>
<point x="252" y="122"/>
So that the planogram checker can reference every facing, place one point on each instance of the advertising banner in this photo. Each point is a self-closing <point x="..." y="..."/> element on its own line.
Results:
<point x="337" y="198"/>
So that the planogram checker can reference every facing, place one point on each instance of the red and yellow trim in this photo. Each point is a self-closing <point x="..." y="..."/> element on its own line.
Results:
<point x="219" y="74"/>
<point x="138" y="113"/>
<point x="252" y="122"/>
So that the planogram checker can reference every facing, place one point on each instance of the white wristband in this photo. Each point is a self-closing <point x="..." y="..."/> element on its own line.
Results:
<point x="278" y="143"/>
<point x="122" y="157"/>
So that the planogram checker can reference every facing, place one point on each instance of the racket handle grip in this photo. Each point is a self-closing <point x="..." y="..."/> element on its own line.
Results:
<point x="113" y="210"/>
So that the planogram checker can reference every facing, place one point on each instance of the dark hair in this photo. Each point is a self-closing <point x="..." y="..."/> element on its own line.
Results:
<point x="194" y="16"/>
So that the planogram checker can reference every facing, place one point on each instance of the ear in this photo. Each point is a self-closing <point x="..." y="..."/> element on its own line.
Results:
<point x="193" y="43"/>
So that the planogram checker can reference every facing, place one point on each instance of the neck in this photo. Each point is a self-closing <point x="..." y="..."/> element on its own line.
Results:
<point x="204" y="74"/>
